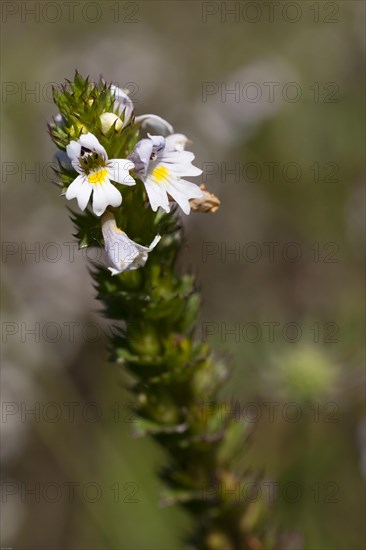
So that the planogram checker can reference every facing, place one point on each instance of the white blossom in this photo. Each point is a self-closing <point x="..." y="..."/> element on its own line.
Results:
<point x="89" y="158"/>
<point x="123" y="253"/>
<point x="161" y="163"/>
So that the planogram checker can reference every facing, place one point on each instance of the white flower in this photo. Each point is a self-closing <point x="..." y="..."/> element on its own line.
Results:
<point x="123" y="253"/>
<point x="90" y="160"/>
<point x="123" y="104"/>
<point x="160" y="163"/>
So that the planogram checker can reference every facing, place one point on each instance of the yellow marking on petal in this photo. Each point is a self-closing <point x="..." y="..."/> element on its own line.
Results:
<point x="98" y="177"/>
<point x="160" y="174"/>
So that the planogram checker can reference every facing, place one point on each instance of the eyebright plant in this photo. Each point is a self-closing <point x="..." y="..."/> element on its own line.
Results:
<point x="129" y="185"/>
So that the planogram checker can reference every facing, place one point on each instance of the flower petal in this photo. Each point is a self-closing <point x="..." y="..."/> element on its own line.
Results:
<point x="160" y="125"/>
<point x="191" y="190"/>
<point x="114" y="196"/>
<point x="152" y="245"/>
<point x="73" y="150"/>
<point x="140" y="156"/>
<point x="181" y="170"/>
<point x="182" y="191"/>
<point x="121" y="250"/>
<point x="140" y="259"/>
<point x="180" y="198"/>
<point x="114" y="271"/>
<point x="81" y="190"/>
<point x="176" y="142"/>
<point x="123" y="103"/>
<point x="119" y="171"/>
<point x="74" y="187"/>
<point x="158" y="143"/>
<point x="104" y="195"/>
<point x="123" y="253"/>
<point x="180" y="162"/>
<point x="89" y="141"/>
<point x="157" y="195"/>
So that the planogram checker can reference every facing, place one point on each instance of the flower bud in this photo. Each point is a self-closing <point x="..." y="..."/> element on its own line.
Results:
<point x="108" y="120"/>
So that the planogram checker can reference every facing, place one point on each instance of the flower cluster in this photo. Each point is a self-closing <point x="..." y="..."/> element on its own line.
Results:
<point x="158" y="160"/>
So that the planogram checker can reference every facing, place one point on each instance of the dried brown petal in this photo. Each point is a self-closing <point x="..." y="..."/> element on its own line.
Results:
<point x="208" y="203"/>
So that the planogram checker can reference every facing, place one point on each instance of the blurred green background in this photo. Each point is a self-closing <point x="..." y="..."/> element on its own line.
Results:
<point x="295" y="149"/>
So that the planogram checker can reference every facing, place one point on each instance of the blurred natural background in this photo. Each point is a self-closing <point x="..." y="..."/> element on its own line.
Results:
<point x="272" y="97"/>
